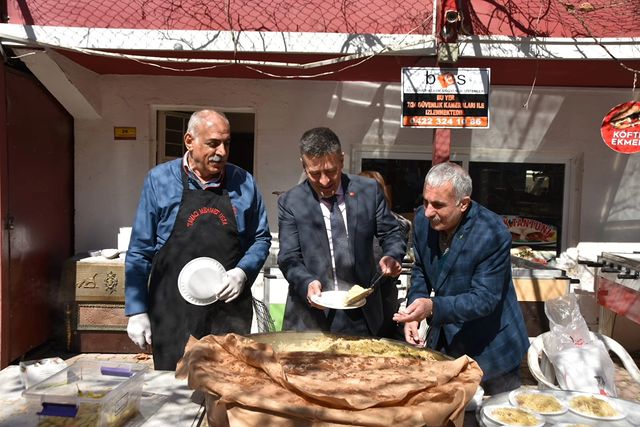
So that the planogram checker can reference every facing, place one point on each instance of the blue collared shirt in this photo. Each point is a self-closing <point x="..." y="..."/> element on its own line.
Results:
<point x="213" y="183"/>
<point x="156" y="214"/>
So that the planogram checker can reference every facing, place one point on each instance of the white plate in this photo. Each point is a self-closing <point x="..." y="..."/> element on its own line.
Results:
<point x="488" y="412"/>
<point x="620" y="414"/>
<point x="200" y="280"/>
<point x="514" y="394"/>
<point x="335" y="299"/>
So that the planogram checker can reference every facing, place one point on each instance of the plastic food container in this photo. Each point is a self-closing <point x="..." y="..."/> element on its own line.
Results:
<point x="88" y="394"/>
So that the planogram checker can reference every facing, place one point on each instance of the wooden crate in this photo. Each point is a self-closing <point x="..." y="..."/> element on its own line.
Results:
<point x="101" y="328"/>
<point x="536" y="289"/>
<point x="100" y="317"/>
<point x="99" y="280"/>
<point x="104" y="342"/>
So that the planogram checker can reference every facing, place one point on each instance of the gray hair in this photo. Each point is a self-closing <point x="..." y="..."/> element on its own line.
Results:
<point x="318" y="142"/>
<point x="197" y="117"/>
<point x="450" y="172"/>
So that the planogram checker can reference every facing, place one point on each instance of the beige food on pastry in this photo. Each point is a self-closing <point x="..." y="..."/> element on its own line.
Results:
<point x="355" y="294"/>
<point x="539" y="402"/>
<point x="514" y="417"/>
<point x="593" y="406"/>
<point x="356" y="347"/>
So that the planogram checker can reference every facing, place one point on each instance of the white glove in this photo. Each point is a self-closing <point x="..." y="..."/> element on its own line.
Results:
<point x="139" y="329"/>
<point x="233" y="286"/>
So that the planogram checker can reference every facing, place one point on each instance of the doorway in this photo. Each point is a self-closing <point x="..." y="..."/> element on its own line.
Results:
<point x="36" y="187"/>
<point x="172" y="125"/>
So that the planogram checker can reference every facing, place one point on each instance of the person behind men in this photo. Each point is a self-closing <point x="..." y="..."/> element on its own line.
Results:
<point x="170" y="230"/>
<point x="462" y="254"/>
<point x="389" y="290"/>
<point x="326" y="228"/>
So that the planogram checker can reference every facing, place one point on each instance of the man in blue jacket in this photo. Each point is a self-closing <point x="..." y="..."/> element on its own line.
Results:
<point x="195" y="206"/>
<point x="462" y="255"/>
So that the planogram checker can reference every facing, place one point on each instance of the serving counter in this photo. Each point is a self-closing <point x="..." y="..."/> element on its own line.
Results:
<point x="534" y="284"/>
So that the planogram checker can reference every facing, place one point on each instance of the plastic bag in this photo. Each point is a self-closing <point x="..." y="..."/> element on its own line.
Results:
<point x="580" y="363"/>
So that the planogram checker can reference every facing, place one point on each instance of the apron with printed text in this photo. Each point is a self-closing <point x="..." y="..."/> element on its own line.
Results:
<point x="205" y="226"/>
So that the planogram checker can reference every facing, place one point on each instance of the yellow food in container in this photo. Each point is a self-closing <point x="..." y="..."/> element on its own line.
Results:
<point x="88" y="394"/>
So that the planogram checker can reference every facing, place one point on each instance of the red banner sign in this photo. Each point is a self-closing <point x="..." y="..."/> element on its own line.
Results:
<point x="619" y="299"/>
<point x="620" y="128"/>
<point x="529" y="231"/>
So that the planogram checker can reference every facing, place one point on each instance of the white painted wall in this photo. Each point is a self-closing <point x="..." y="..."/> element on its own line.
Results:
<point x="558" y="123"/>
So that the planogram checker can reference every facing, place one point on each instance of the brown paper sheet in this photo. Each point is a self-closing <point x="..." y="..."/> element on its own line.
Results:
<point x="249" y="384"/>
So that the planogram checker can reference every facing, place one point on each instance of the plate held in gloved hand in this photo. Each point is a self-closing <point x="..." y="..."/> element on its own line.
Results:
<point x="201" y="279"/>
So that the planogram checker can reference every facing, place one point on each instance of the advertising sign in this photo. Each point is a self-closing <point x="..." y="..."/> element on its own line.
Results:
<point x="620" y="128"/>
<point x="445" y="97"/>
<point x="530" y="231"/>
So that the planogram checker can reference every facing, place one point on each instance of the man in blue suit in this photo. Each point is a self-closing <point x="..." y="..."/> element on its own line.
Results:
<point x="462" y="254"/>
<point x="307" y="245"/>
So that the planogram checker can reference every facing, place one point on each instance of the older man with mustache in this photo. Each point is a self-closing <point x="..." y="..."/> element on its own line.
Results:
<point x="196" y="206"/>
<point x="461" y="281"/>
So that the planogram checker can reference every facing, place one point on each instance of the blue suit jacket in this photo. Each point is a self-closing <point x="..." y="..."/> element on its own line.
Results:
<point x="305" y="256"/>
<point x="475" y="304"/>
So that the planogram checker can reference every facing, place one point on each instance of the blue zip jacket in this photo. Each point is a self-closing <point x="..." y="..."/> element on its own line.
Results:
<point x="157" y="210"/>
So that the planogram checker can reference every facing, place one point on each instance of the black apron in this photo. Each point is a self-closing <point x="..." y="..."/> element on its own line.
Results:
<point x="205" y="226"/>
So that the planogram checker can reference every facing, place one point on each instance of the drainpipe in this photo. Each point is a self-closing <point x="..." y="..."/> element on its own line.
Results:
<point x="447" y="23"/>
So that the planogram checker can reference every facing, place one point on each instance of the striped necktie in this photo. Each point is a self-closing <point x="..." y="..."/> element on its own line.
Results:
<point x="342" y="255"/>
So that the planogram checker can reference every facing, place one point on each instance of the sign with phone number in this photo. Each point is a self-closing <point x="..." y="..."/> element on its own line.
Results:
<point x="443" y="121"/>
<point x="445" y="97"/>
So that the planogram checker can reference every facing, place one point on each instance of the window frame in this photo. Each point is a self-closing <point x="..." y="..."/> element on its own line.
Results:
<point x="571" y="161"/>
<point x="162" y="132"/>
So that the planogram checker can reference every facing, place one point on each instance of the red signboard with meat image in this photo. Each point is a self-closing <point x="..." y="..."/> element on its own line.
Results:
<point x="620" y="128"/>
<point x="529" y="231"/>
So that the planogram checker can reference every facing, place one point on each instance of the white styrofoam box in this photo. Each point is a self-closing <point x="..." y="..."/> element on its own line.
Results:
<point x="124" y="235"/>
<point x="258" y="288"/>
<point x="277" y="290"/>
